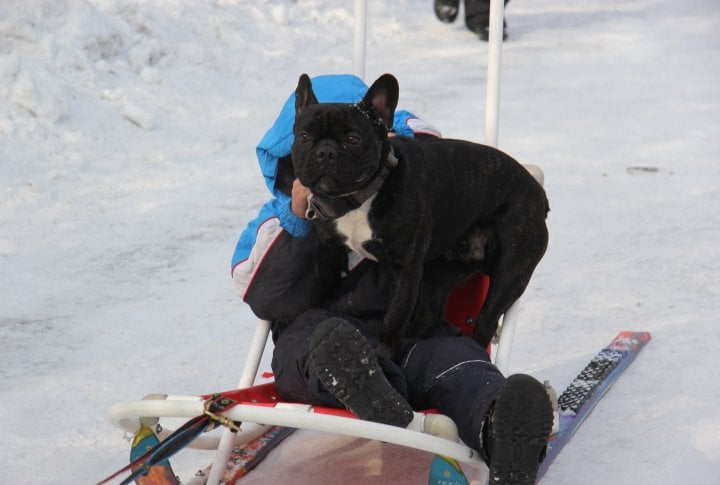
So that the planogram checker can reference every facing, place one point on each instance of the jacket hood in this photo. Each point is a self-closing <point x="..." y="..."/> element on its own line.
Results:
<point x="277" y="142"/>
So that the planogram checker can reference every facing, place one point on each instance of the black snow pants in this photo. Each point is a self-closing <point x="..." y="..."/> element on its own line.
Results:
<point x="446" y="371"/>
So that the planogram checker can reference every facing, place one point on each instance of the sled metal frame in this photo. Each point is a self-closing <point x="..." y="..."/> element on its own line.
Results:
<point x="127" y="415"/>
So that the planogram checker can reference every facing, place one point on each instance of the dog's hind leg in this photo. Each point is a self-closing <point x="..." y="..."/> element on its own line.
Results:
<point x="520" y="248"/>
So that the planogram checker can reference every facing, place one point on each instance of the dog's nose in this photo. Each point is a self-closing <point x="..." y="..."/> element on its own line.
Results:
<point x="325" y="153"/>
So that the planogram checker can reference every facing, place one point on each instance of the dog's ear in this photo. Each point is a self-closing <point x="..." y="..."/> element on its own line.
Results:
<point x="382" y="97"/>
<point x="304" y="95"/>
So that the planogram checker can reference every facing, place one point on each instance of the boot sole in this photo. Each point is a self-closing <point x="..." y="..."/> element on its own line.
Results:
<point x="522" y="422"/>
<point x="349" y="370"/>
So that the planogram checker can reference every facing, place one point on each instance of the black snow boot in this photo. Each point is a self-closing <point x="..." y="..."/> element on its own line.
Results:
<point x="349" y="370"/>
<point x="514" y="437"/>
<point x="446" y="10"/>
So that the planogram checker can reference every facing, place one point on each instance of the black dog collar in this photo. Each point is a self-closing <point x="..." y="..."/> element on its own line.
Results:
<point x="335" y="207"/>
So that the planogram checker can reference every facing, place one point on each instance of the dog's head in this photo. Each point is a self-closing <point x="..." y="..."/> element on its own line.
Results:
<point x="338" y="148"/>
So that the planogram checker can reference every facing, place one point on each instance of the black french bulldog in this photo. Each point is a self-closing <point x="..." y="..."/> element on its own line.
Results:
<point x="427" y="210"/>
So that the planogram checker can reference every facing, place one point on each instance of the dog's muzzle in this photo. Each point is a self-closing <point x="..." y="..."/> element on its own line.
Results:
<point x="332" y="208"/>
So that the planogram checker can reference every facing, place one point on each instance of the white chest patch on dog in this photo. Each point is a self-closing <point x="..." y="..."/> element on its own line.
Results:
<point x="355" y="227"/>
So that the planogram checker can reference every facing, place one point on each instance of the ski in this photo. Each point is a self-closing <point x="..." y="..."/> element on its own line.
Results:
<point x="581" y="396"/>
<point x="244" y="458"/>
<point x="446" y="471"/>
<point x="159" y="474"/>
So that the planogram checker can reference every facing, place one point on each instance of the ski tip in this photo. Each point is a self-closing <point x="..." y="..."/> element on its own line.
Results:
<point x="629" y="340"/>
<point x="446" y="471"/>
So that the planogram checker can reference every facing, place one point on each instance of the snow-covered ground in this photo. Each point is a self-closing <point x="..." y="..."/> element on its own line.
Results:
<point x="127" y="170"/>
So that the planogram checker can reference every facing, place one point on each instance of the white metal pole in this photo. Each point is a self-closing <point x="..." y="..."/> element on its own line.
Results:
<point x="507" y="335"/>
<point x="492" y="115"/>
<point x="495" y="40"/>
<point x="359" y="38"/>
<point x="247" y="378"/>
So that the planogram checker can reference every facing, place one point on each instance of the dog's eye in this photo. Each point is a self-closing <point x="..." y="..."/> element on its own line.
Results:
<point x="352" y="139"/>
<point x="303" y="137"/>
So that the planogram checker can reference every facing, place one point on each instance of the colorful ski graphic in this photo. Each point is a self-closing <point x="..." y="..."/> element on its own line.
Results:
<point x="160" y="473"/>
